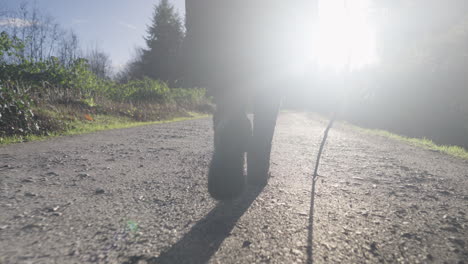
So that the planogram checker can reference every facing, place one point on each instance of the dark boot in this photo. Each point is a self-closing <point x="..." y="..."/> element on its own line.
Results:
<point x="258" y="157"/>
<point x="226" y="179"/>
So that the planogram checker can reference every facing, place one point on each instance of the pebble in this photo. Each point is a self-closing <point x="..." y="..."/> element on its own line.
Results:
<point x="28" y="180"/>
<point x="83" y="175"/>
<point x="296" y="252"/>
<point x="246" y="244"/>
<point x="373" y="246"/>
<point x="449" y="228"/>
<point x="457" y="241"/>
<point x="99" y="191"/>
<point x="52" y="209"/>
<point x="30" y="194"/>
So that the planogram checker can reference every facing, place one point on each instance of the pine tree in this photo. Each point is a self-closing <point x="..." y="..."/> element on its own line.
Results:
<point x="164" y="40"/>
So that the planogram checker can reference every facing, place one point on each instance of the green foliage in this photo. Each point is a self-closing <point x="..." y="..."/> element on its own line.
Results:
<point x="148" y="90"/>
<point x="455" y="151"/>
<point x="164" y="40"/>
<point x="16" y="116"/>
<point x="189" y="97"/>
<point x="9" y="46"/>
<point x="144" y="90"/>
<point x="50" y="82"/>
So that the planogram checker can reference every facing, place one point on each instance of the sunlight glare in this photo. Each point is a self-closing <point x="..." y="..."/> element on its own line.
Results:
<point x="346" y="38"/>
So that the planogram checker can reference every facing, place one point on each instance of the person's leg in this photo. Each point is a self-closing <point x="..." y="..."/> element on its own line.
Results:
<point x="258" y="158"/>
<point x="232" y="130"/>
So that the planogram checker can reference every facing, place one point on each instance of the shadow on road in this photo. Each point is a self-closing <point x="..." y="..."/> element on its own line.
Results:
<point x="204" y="239"/>
<point x="310" y="237"/>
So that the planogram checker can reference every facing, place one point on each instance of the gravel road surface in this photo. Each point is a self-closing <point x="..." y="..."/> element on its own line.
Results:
<point x="139" y="195"/>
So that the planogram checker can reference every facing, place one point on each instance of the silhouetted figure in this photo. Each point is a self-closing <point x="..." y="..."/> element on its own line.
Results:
<point x="243" y="51"/>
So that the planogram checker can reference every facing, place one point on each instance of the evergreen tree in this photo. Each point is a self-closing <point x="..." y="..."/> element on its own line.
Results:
<point x="164" y="40"/>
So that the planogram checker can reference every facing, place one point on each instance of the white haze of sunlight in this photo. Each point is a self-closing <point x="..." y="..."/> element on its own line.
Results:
<point x="346" y="38"/>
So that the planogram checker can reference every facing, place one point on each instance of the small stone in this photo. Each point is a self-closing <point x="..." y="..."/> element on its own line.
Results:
<point x="444" y="192"/>
<point x="296" y="252"/>
<point x="299" y="244"/>
<point x="3" y="227"/>
<point x="449" y="228"/>
<point x="246" y="244"/>
<point x="407" y="235"/>
<point x="30" y="194"/>
<point x="83" y="175"/>
<point x="56" y="214"/>
<point x="28" y="180"/>
<point x="52" y="209"/>
<point x="31" y="226"/>
<point x="52" y="174"/>
<point x="373" y="246"/>
<point x="99" y="191"/>
<point x="457" y="241"/>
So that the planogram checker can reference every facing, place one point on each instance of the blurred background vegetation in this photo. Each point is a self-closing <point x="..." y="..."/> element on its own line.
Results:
<point x="47" y="81"/>
<point x="418" y="88"/>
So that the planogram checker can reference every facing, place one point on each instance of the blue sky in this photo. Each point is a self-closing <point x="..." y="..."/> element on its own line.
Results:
<point x="115" y="26"/>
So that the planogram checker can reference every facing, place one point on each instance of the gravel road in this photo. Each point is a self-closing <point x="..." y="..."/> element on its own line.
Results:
<point x="139" y="195"/>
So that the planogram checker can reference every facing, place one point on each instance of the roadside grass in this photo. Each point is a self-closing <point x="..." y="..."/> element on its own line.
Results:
<point x="100" y="122"/>
<point x="455" y="151"/>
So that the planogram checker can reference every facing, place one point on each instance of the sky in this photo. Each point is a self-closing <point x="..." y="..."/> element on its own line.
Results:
<point x="115" y="26"/>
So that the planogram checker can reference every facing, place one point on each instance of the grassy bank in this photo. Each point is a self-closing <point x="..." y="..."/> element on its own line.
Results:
<point x="99" y="122"/>
<point x="455" y="151"/>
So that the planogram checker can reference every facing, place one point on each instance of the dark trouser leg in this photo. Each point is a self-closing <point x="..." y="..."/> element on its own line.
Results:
<point x="232" y="130"/>
<point x="258" y="158"/>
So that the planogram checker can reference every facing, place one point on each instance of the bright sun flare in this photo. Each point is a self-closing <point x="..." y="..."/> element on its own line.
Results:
<point x="346" y="37"/>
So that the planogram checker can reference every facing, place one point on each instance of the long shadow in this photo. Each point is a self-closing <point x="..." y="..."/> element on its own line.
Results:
<point x="205" y="238"/>
<point x="310" y="237"/>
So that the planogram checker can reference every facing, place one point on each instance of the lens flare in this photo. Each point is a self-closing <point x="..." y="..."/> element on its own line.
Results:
<point x="346" y="37"/>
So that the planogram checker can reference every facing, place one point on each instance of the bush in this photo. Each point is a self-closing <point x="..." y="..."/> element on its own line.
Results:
<point x="75" y="88"/>
<point x="147" y="90"/>
<point x="189" y="98"/>
<point x="16" y="116"/>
